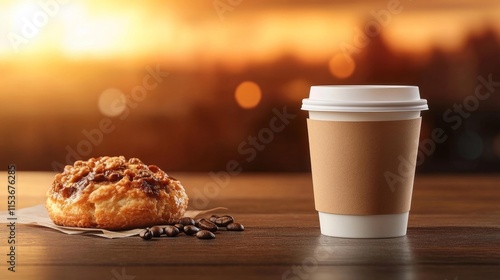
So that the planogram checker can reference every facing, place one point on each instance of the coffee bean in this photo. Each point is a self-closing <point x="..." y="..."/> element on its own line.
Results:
<point x="180" y="227"/>
<point x="156" y="231"/>
<point x="99" y="178"/>
<point x="223" y="221"/>
<point x="187" y="221"/>
<point x="113" y="177"/>
<point x="197" y="222"/>
<point x="146" y="234"/>
<point x="235" y="227"/>
<point x="171" y="231"/>
<point x="190" y="229"/>
<point x="201" y="227"/>
<point x="154" y="168"/>
<point x="212" y="218"/>
<point x="207" y="225"/>
<point x="205" y="234"/>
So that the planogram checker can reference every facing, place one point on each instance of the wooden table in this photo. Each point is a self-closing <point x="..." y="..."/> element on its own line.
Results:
<point x="454" y="233"/>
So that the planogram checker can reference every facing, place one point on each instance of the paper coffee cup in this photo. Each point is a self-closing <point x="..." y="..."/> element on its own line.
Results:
<point x="363" y="142"/>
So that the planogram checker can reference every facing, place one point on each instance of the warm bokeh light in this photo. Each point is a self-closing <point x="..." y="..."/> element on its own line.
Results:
<point x="112" y="102"/>
<point x="295" y="89"/>
<point x="309" y="32"/>
<point x="248" y="95"/>
<point x="341" y="66"/>
<point x="169" y="70"/>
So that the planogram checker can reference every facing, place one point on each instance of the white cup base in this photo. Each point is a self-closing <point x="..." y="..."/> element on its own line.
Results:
<point x="370" y="226"/>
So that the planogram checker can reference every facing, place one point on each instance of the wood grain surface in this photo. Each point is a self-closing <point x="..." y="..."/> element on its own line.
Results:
<point x="454" y="233"/>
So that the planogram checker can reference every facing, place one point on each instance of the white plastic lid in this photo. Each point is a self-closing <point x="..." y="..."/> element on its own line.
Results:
<point x="364" y="98"/>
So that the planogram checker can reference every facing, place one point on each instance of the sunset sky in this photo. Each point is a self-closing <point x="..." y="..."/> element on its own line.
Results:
<point x="66" y="64"/>
<point x="231" y="31"/>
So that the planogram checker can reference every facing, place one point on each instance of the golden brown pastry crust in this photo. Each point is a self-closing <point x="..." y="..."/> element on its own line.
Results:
<point x="113" y="193"/>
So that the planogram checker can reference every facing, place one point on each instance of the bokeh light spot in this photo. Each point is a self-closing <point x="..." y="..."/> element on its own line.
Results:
<point x="470" y="145"/>
<point x="112" y="102"/>
<point x="296" y="89"/>
<point x="341" y="66"/>
<point x="248" y="95"/>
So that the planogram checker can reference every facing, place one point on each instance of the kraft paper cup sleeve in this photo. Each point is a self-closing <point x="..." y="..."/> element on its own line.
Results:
<point x="363" y="168"/>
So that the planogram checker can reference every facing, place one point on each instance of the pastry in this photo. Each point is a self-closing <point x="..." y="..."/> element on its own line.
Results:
<point x="115" y="193"/>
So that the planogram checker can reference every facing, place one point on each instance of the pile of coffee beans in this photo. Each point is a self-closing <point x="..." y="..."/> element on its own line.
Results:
<point x="202" y="228"/>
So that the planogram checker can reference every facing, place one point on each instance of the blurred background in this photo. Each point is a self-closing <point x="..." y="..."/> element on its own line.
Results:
<point x="195" y="85"/>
